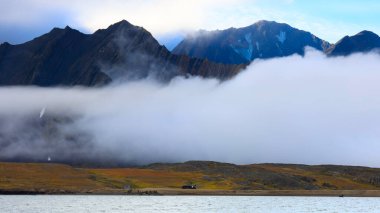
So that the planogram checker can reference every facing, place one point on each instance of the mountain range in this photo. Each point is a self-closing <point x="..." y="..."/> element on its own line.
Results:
<point x="122" y="52"/>
<point x="267" y="39"/>
<point x="263" y="39"/>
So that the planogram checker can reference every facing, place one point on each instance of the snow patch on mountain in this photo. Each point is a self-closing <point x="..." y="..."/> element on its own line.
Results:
<point x="281" y="37"/>
<point x="244" y="52"/>
<point x="244" y="49"/>
<point x="250" y="52"/>
<point x="248" y="38"/>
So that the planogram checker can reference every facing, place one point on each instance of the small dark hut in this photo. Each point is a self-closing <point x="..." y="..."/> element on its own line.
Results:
<point x="189" y="187"/>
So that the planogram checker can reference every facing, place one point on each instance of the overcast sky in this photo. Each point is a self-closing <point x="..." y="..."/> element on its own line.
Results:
<point x="22" y="20"/>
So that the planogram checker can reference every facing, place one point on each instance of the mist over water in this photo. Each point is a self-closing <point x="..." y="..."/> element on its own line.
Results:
<point x="309" y="110"/>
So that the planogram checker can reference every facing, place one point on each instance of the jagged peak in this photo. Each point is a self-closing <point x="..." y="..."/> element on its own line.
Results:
<point x="5" y="44"/>
<point x="116" y="27"/>
<point x="363" y="41"/>
<point x="66" y="29"/>
<point x="362" y="34"/>
<point x="203" y="32"/>
<point x="267" y="22"/>
<point x="367" y="33"/>
<point x="121" y="24"/>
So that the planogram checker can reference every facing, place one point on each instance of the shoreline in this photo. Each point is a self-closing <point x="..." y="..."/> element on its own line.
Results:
<point x="206" y="192"/>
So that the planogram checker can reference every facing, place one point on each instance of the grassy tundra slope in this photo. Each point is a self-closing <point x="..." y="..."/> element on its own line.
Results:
<point x="209" y="176"/>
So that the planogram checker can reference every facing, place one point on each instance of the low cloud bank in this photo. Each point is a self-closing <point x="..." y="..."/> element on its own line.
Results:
<point x="309" y="110"/>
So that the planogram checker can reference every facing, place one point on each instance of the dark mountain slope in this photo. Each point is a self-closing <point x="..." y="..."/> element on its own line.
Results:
<point x="122" y="51"/>
<point x="263" y="39"/>
<point x="364" y="41"/>
<point x="51" y="59"/>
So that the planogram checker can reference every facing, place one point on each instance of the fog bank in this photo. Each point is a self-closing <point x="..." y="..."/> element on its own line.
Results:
<point x="309" y="110"/>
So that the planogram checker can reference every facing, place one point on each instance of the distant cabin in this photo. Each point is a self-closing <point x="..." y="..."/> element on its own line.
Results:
<point x="189" y="187"/>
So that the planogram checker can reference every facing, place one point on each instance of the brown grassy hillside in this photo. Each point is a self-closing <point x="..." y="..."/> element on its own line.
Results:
<point x="57" y="178"/>
<point x="44" y="177"/>
<point x="280" y="176"/>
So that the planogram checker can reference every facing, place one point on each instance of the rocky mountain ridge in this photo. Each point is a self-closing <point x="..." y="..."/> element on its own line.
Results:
<point x="121" y="52"/>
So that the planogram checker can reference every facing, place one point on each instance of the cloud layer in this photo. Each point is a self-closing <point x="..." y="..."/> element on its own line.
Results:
<point x="21" y="20"/>
<point x="310" y="110"/>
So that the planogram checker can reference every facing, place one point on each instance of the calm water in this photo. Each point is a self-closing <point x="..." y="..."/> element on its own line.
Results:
<point x="183" y="204"/>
